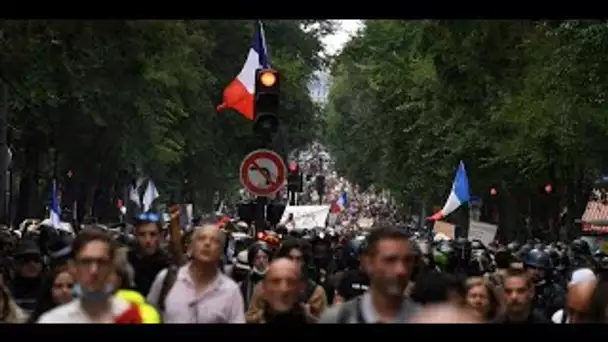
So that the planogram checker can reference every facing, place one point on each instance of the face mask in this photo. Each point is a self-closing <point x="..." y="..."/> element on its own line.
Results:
<point x="92" y="296"/>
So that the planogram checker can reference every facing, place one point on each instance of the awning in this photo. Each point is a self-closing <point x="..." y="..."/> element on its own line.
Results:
<point x="595" y="217"/>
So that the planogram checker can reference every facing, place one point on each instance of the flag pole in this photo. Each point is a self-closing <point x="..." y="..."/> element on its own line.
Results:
<point x="260" y="26"/>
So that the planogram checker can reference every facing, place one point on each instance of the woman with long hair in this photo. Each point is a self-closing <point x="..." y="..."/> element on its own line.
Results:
<point x="56" y="290"/>
<point x="482" y="298"/>
<point x="10" y="312"/>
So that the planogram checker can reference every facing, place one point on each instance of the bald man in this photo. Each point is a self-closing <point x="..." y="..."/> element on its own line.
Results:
<point x="199" y="292"/>
<point x="445" y="314"/>
<point x="280" y="292"/>
<point x="580" y="290"/>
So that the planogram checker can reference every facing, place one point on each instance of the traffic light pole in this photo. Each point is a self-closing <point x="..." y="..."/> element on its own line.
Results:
<point x="266" y="126"/>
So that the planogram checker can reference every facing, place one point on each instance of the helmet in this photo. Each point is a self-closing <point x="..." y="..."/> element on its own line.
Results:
<point x="602" y="262"/>
<point x="254" y="249"/>
<point x="580" y="247"/>
<point x="537" y="259"/>
<point x="479" y="263"/>
<point x="477" y="245"/>
<point x="352" y="251"/>
<point x="513" y="247"/>
<point x="523" y="251"/>
<point x="503" y="258"/>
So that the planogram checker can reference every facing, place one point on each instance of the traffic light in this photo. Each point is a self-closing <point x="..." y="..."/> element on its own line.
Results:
<point x="266" y="101"/>
<point x="294" y="178"/>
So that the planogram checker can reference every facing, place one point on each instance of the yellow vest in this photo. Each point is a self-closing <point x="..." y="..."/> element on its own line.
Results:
<point x="149" y="314"/>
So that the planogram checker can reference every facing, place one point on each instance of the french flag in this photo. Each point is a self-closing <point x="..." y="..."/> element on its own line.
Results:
<point x="238" y="95"/>
<point x="54" y="212"/>
<point x="458" y="196"/>
<point x="339" y="204"/>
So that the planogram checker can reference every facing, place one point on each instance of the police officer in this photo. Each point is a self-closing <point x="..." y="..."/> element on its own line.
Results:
<point x="580" y="255"/>
<point x="549" y="296"/>
<point x="353" y="281"/>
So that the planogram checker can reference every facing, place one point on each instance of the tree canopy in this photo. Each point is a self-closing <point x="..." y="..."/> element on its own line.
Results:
<point x="113" y="99"/>
<point x="522" y="103"/>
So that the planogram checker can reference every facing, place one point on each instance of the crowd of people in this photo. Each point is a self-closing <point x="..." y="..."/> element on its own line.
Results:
<point x="384" y="275"/>
<point x="218" y="271"/>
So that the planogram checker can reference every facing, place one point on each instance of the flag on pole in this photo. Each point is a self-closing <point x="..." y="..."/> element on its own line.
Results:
<point x="134" y="192"/>
<point x="458" y="196"/>
<point x="149" y="196"/>
<point x="340" y="204"/>
<point x="238" y="95"/>
<point x="55" y="211"/>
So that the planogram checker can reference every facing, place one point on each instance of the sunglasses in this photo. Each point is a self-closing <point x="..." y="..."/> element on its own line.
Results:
<point x="148" y="217"/>
<point x="28" y="258"/>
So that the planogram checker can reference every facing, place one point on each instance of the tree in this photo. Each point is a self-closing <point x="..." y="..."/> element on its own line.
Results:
<point x="119" y="98"/>
<point x="521" y="102"/>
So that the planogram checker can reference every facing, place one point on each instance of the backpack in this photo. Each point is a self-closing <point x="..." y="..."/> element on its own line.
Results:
<point x="349" y="309"/>
<point x="168" y="282"/>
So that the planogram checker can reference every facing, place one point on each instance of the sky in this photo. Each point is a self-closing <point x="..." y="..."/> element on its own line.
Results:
<point x="335" y="42"/>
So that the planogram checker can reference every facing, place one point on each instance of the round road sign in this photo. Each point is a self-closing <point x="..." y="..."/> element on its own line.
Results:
<point x="263" y="172"/>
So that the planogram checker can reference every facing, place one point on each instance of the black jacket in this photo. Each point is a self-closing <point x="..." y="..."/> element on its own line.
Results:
<point x="248" y="285"/>
<point x="535" y="317"/>
<point x="146" y="268"/>
<point x="549" y="298"/>
<point x="25" y="292"/>
<point x="295" y="316"/>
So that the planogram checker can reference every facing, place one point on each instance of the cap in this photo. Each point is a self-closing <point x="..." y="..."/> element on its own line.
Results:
<point x="27" y="247"/>
<point x="582" y="275"/>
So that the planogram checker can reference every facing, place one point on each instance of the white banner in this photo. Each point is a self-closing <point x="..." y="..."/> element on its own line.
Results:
<point x="365" y="222"/>
<point x="482" y="231"/>
<point x="307" y="216"/>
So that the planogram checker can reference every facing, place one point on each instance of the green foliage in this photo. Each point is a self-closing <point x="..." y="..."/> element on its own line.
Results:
<point x="117" y="98"/>
<point x="521" y="102"/>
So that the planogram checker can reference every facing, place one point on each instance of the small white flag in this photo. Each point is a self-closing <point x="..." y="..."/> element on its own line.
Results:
<point x="150" y="195"/>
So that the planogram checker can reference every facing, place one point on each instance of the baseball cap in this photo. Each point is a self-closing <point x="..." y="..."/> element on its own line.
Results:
<point x="582" y="275"/>
<point x="27" y="247"/>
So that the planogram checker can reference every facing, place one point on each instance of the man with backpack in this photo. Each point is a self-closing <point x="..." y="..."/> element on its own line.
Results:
<point x="198" y="292"/>
<point x="388" y="260"/>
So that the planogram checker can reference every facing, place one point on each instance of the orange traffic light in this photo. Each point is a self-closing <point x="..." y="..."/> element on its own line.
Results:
<point x="267" y="78"/>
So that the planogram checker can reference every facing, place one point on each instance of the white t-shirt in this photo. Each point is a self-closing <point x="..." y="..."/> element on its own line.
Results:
<point x="558" y="316"/>
<point x="72" y="313"/>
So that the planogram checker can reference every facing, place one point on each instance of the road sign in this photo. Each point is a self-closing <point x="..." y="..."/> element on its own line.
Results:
<point x="263" y="172"/>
